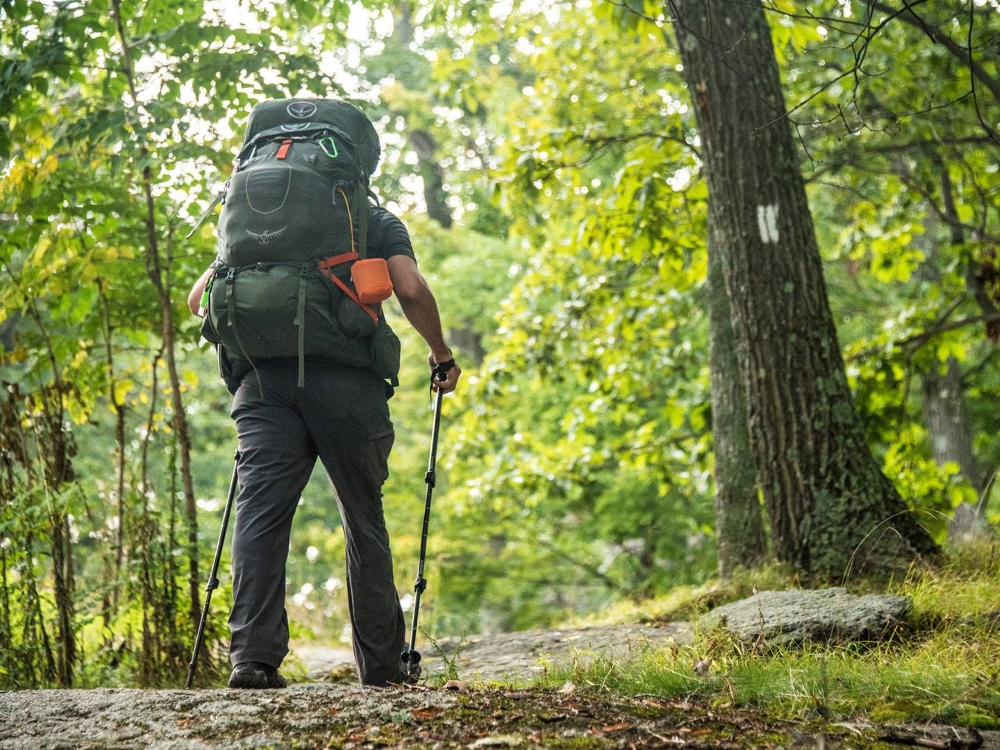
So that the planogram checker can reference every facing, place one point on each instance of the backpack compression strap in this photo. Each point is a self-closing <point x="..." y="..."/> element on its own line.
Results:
<point x="231" y="310"/>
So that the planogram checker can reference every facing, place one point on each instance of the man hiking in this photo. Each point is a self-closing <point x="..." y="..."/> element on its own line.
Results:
<point x="291" y="410"/>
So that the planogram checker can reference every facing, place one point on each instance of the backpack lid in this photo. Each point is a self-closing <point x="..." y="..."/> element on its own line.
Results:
<point x="301" y="114"/>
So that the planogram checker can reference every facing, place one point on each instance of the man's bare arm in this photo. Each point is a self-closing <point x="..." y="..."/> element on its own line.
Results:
<point x="420" y="308"/>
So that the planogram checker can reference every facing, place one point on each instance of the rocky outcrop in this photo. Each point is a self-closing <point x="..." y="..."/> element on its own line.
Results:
<point x="797" y="616"/>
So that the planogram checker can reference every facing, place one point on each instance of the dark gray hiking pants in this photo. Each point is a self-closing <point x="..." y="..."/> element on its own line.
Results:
<point x="342" y="417"/>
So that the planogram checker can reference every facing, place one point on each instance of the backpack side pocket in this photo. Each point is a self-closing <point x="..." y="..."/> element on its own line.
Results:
<point x="385" y="352"/>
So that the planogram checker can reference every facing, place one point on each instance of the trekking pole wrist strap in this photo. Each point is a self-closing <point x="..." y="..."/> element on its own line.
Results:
<point x="439" y="371"/>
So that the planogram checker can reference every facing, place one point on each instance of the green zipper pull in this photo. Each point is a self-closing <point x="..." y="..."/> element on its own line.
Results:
<point x="205" y="295"/>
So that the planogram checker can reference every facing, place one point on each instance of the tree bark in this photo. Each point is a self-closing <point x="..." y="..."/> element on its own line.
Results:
<point x="831" y="510"/>
<point x="950" y="437"/>
<point x="739" y="520"/>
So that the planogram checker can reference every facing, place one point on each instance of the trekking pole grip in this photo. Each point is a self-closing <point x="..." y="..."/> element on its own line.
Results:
<point x="439" y="372"/>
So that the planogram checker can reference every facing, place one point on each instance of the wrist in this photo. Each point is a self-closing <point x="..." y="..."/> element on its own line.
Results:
<point x="439" y="356"/>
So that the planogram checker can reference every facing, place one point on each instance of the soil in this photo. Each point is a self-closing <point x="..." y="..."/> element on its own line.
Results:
<point x="480" y="706"/>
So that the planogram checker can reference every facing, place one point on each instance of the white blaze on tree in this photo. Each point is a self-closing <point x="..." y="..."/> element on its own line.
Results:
<point x="767" y="222"/>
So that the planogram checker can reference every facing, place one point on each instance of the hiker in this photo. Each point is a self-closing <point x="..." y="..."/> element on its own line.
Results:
<point x="288" y="411"/>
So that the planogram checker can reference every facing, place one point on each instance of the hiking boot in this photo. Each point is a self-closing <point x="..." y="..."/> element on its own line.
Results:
<point x="254" y="675"/>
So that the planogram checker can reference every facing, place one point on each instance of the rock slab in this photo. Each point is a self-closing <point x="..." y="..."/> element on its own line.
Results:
<point x="796" y="616"/>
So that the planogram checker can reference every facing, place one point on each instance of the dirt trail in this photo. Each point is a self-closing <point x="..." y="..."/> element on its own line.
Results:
<point x="319" y="713"/>
<point x="519" y="656"/>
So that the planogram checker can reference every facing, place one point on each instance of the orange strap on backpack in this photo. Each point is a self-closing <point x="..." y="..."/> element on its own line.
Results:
<point x="336" y="260"/>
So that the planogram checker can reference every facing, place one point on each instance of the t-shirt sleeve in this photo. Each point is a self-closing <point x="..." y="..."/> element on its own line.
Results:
<point x="387" y="235"/>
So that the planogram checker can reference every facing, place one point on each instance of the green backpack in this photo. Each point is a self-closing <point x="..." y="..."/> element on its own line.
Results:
<point x="293" y="224"/>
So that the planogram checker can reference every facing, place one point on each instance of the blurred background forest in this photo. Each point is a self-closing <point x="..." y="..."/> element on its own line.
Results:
<point x="546" y="158"/>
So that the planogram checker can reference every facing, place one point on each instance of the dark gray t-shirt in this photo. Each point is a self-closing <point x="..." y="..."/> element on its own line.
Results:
<point x="387" y="235"/>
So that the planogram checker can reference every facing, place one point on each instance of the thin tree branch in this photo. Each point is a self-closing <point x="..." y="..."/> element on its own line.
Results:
<point x="972" y="81"/>
<point x="918" y="340"/>
<point x="907" y="15"/>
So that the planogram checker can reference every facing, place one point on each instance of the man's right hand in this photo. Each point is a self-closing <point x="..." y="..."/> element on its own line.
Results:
<point x="449" y="381"/>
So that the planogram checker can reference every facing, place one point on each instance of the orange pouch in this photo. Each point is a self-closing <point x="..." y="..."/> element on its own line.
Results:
<point x="371" y="280"/>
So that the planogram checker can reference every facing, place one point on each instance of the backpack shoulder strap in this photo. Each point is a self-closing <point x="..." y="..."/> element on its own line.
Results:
<point x="204" y="214"/>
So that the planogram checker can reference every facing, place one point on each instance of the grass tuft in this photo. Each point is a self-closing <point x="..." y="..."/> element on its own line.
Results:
<point x="943" y="667"/>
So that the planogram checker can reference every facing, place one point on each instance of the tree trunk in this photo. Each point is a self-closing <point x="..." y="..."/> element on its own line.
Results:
<point x="944" y="395"/>
<point x="431" y="174"/>
<point x="159" y="274"/>
<point x="8" y="331"/>
<point x="950" y="437"/>
<point x="420" y="140"/>
<point x="739" y="521"/>
<point x="110" y="603"/>
<point x="62" y="576"/>
<point x="830" y="508"/>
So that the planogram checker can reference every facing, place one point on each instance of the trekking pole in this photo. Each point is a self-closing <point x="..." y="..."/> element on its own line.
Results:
<point x="409" y="660"/>
<point x="213" y="581"/>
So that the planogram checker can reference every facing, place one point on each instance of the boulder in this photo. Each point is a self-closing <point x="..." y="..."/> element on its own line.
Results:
<point x="796" y="616"/>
